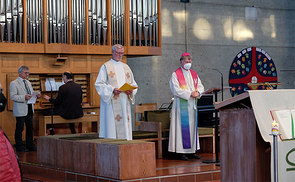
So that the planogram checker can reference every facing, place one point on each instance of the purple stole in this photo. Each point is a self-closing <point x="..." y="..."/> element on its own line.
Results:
<point x="184" y="114"/>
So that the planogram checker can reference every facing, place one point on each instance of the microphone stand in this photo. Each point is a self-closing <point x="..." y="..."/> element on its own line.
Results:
<point x="51" y="129"/>
<point x="217" y="161"/>
<point x="221" y="77"/>
<point x="217" y="122"/>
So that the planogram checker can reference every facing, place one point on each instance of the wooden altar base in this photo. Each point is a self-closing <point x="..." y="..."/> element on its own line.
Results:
<point x="170" y="170"/>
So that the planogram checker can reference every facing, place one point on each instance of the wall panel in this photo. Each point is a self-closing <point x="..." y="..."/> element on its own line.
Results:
<point x="45" y="64"/>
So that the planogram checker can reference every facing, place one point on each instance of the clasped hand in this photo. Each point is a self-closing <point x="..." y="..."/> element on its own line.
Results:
<point x="195" y="94"/>
<point x="118" y="91"/>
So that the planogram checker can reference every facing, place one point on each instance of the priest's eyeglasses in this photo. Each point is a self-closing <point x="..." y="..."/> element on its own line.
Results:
<point x="26" y="72"/>
<point x="120" y="53"/>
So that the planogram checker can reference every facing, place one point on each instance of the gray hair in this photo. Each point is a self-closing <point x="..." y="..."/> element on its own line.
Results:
<point x="117" y="46"/>
<point x="22" y="68"/>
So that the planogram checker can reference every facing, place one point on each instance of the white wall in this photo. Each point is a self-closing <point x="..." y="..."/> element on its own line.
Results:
<point x="213" y="32"/>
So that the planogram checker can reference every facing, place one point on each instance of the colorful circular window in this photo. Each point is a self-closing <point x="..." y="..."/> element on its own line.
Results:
<point x="252" y="69"/>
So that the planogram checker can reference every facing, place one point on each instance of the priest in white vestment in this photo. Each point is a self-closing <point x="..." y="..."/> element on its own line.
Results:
<point x="115" y="110"/>
<point x="186" y="87"/>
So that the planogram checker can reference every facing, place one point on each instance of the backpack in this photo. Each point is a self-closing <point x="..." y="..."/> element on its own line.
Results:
<point x="3" y="102"/>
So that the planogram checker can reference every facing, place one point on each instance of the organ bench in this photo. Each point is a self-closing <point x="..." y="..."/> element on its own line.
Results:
<point x="85" y="120"/>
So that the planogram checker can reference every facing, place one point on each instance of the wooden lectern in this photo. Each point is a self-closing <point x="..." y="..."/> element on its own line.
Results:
<point x="244" y="155"/>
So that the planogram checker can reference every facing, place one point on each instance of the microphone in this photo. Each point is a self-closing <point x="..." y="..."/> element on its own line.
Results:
<point x="221" y="77"/>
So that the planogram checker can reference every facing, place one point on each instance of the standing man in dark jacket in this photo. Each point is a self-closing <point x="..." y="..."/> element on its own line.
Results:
<point x="68" y="103"/>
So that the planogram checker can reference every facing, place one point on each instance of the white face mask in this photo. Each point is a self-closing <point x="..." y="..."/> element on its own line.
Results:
<point x="187" y="66"/>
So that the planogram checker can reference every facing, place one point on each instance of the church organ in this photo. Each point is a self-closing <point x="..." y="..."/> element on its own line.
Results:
<point x="53" y="36"/>
<point x="80" y="26"/>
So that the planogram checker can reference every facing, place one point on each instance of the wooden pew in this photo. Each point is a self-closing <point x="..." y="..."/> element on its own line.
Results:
<point x="153" y="127"/>
<point x="85" y="120"/>
<point x="156" y="135"/>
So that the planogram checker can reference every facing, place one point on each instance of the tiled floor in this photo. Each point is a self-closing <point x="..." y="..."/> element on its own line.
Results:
<point x="168" y="170"/>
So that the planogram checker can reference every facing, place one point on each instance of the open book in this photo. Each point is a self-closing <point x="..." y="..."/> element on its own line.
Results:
<point x="127" y="87"/>
<point x="52" y="85"/>
<point x="285" y="118"/>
